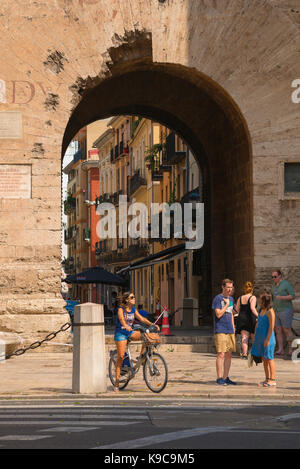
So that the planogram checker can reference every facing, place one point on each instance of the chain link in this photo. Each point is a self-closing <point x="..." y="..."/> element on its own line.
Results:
<point x="38" y="343"/>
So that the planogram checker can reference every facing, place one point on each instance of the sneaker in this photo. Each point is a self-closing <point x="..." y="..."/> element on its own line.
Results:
<point x="228" y="381"/>
<point x="221" y="382"/>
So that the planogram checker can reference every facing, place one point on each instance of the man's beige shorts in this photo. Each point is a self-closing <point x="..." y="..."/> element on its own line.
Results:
<point x="225" y="343"/>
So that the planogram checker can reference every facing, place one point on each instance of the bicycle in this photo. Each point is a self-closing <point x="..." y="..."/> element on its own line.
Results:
<point x="155" y="369"/>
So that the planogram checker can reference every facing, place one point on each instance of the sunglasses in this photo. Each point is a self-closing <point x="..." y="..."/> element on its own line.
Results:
<point x="131" y="297"/>
<point x="274" y="276"/>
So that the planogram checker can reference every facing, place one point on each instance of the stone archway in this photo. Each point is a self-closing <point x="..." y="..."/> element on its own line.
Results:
<point x="207" y="118"/>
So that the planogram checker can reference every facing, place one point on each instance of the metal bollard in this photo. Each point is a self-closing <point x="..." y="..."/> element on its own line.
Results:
<point x="89" y="363"/>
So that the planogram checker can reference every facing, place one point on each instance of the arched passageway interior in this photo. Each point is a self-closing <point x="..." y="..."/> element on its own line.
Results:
<point x="206" y="117"/>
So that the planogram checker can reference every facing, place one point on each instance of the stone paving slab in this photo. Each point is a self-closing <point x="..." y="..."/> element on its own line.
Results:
<point x="191" y="375"/>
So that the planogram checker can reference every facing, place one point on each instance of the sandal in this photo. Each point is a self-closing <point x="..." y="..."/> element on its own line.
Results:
<point x="269" y="383"/>
<point x="263" y="383"/>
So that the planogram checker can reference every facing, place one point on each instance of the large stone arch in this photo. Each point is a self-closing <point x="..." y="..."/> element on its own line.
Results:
<point x="242" y="57"/>
<point x="207" y="118"/>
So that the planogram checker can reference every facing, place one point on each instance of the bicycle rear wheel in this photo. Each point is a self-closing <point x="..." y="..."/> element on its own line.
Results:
<point x="155" y="372"/>
<point x="125" y="372"/>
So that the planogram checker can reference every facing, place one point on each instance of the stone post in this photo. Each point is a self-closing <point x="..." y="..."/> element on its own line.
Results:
<point x="89" y="364"/>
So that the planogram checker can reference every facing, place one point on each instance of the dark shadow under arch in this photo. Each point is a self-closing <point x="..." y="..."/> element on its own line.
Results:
<point x="211" y="123"/>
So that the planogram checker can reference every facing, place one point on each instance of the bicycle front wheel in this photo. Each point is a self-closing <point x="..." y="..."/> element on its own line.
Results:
<point x="155" y="372"/>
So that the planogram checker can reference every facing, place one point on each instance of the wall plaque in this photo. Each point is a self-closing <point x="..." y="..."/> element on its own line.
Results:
<point x="10" y="124"/>
<point x="15" y="181"/>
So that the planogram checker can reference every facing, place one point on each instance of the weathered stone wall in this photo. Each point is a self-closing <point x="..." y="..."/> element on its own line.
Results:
<point x="241" y="56"/>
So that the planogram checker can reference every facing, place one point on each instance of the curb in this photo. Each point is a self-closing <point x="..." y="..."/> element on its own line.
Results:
<point x="282" y="399"/>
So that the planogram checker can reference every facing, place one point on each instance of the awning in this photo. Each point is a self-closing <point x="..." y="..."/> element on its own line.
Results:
<point x="157" y="258"/>
<point x="97" y="275"/>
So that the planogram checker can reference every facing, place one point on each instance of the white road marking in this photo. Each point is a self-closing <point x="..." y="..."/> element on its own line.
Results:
<point x="163" y="438"/>
<point x="285" y="418"/>
<point x="180" y="435"/>
<point x="69" y="429"/>
<point x="24" y="437"/>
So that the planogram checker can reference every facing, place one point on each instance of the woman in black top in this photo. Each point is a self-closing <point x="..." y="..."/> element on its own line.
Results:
<point x="246" y="320"/>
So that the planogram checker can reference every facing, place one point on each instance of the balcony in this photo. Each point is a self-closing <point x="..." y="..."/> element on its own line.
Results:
<point x="78" y="156"/>
<point x="70" y="234"/>
<point x="69" y="205"/>
<point x="69" y="265"/>
<point x="119" y="150"/>
<point x="137" y="250"/>
<point x="172" y="156"/>
<point x="103" y="249"/>
<point x="124" y="150"/>
<point x="135" y="182"/>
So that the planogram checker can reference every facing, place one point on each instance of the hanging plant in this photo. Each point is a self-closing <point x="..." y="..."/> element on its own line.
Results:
<point x="173" y="198"/>
<point x="152" y="156"/>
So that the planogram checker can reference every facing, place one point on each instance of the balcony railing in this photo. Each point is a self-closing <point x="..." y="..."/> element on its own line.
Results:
<point x="79" y="156"/>
<point x="137" y="250"/>
<point x="70" y="234"/>
<point x="172" y="156"/>
<point x="135" y="182"/>
<point x="69" y="265"/>
<point x="119" y="150"/>
<point x="69" y="205"/>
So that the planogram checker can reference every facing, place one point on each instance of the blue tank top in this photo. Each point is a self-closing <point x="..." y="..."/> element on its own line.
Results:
<point x="129" y="319"/>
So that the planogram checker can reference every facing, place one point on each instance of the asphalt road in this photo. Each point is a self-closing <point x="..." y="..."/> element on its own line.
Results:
<point x="135" y="425"/>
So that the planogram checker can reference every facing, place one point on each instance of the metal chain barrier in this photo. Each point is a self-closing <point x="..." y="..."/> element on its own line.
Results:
<point x="37" y="344"/>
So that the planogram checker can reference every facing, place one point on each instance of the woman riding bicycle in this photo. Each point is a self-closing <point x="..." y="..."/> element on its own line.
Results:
<point x="125" y="318"/>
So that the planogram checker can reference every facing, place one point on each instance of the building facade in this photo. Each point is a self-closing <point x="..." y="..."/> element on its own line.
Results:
<point x="145" y="163"/>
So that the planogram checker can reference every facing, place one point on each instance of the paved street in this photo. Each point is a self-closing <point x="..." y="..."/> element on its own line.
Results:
<point x="191" y="375"/>
<point x="38" y="409"/>
<point x="61" y="424"/>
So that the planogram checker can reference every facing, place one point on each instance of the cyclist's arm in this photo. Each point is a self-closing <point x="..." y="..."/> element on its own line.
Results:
<point x="141" y="318"/>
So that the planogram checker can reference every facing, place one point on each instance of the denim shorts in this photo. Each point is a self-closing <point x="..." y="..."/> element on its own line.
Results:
<point x="122" y="335"/>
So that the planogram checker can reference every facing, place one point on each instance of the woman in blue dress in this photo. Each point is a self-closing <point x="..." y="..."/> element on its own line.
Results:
<point x="124" y="329"/>
<point x="264" y="340"/>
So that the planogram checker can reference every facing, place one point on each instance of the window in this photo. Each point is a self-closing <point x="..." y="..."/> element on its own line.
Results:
<point x="289" y="180"/>
<point x="162" y="272"/>
<point x="291" y="177"/>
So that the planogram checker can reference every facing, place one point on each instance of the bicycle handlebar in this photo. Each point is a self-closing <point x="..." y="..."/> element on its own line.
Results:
<point x="142" y="328"/>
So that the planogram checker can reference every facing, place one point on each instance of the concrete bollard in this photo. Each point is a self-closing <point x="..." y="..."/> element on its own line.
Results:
<point x="89" y="363"/>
